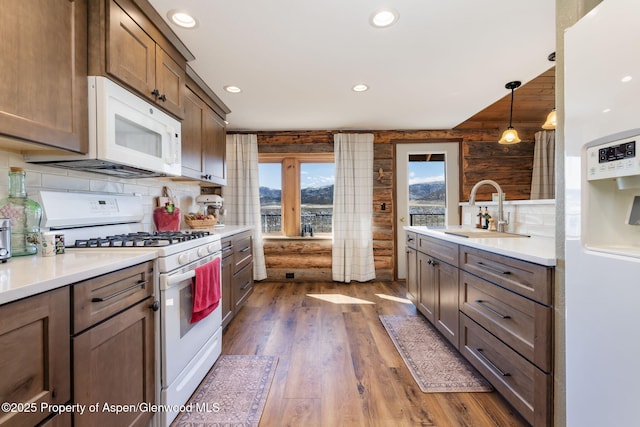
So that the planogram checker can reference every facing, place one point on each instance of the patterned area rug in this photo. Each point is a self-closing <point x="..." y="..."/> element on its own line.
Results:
<point x="232" y="394"/>
<point x="434" y="363"/>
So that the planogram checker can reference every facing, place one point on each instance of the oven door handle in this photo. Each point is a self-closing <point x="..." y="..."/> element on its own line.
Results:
<point x="174" y="279"/>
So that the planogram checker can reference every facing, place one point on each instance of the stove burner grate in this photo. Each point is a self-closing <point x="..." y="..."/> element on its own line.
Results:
<point x="157" y="238"/>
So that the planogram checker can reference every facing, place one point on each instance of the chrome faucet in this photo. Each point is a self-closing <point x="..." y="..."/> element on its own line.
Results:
<point x="472" y="201"/>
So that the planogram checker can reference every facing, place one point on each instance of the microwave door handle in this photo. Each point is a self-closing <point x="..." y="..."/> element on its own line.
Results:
<point x="174" y="147"/>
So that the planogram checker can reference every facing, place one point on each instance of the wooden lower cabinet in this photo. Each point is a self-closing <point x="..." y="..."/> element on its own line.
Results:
<point x="522" y="384"/>
<point x="237" y="273"/>
<point x="438" y="287"/>
<point x="498" y="312"/>
<point x="114" y="347"/>
<point x="412" y="275"/>
<point x="34" y="356"/>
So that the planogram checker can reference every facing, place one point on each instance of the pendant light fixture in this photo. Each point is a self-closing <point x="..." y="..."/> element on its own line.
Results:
<point x="550" y="123"/>
<point x="510" y="136"/>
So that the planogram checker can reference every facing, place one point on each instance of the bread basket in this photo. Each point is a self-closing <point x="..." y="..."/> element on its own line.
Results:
<point x="200" y="223"/>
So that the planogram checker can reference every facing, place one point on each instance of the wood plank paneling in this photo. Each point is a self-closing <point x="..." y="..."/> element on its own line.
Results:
<point x="482" y="158"/>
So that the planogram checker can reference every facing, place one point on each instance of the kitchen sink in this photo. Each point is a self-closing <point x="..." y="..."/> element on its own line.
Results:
<point x="484" y="234"/>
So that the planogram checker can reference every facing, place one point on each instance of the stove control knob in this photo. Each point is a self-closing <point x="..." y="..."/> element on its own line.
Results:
<point x="211" y="248"/>
<point x="183" y="258"/>
<point x="202" y="252"/>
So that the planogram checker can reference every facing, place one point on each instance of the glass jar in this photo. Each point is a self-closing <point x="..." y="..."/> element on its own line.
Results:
<point x="25" y="215"/>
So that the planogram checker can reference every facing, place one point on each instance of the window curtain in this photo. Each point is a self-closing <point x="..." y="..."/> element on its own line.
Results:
<point x="242" y="193"/>
<point x="352" y="252"/>
<point x="543" y="176"/>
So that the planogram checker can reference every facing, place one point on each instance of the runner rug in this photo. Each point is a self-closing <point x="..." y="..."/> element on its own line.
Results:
<point x="232" y="394"/>
<point x="434" y="363"/>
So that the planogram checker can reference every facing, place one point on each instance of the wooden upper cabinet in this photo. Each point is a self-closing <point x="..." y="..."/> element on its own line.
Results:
<point x="131" y="52"/>
<point x="215" y="148"/>
<point x="43" y="89"/>
<point x="125" y="45"/>
<point x="203" y="136"/>
<point x="192" y="127"/>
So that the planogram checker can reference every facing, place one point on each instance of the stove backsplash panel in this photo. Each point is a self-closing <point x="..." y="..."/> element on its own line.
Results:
<point x="41" y="177"/>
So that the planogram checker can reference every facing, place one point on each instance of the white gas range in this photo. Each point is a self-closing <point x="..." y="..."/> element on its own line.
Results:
<point x="186" y="350"/>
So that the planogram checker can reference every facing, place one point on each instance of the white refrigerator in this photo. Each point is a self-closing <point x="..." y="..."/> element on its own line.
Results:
<point x="602" y="208"/>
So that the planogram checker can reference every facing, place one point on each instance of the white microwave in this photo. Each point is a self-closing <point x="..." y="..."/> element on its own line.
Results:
<point x="128" y="137"/>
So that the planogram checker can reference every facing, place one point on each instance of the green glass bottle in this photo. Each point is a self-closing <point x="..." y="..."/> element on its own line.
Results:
<point x="25" y="215"/>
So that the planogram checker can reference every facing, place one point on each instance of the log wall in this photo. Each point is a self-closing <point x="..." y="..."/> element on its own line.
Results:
<point x="482" y="157"/>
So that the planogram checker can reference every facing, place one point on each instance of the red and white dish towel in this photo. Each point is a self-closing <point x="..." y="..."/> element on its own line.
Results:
<point x="206" y="290"/>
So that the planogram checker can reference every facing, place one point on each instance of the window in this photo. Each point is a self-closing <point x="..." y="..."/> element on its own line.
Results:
<point x="427" y="195"/>
<point x="296" y="193"/>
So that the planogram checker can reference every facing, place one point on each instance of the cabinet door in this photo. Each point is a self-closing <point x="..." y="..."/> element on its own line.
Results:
<point x="131" y="53"/>
<point x="192" y="135"/>
<point x="242" y="286"/>
<point x="35" y="359"/>
<point x="427" y="287"/>
<point x="170" y="83"/>
<point x="114" y="364"/>
<point x="446" y="278"/>
<point x="412" y="275"/>
<point x="215" y="148"/>
<point x="227" y="292"/>
<point x="43" y="89"/>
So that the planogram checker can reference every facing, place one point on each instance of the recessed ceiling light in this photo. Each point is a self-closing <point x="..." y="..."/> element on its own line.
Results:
<point x="232" y="89"/>
<point x="182" y="19"/>
<point x="626" y="79"/>
<point x="383" y="18"/>
<point x="360" y="87"/>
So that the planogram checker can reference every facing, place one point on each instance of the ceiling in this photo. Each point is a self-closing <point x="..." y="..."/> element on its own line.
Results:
<point x="296" y="61"/>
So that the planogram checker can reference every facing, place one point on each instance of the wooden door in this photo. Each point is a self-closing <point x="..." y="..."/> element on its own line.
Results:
<point x="35" y="356"/>
<point x="170" y="83"/>
<point x="131" y="53"/>
<point x="114" y="364"/>
<point x="192" y="135"/>
<point x="215" y="148"/>
<point x="412" y="275"/>
<point x="427" y="287"/>
<point x="43" y="89"/>
<point x="447" y="294"/>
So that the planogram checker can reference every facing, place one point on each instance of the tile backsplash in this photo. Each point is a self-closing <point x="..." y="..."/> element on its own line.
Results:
<point x="533" y="217"/>
<point x="41" y="177"/>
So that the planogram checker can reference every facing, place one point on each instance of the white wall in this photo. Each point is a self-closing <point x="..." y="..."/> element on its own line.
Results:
<point x="533" y="217"/>
<point x="57" y="179"/>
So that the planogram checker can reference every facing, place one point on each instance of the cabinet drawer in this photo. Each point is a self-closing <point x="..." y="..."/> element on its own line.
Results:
<point x="443" y="250"/>
<point x="243" y="251"/>
<point x="523" y="385"/>
<point x="521" y="323"/>
<point x="242" y="285"/>
<point x="104" y="296"/>
<point x="227" y="247"/>
<point x="412" y="240"/>
<point x="530" y="280"/>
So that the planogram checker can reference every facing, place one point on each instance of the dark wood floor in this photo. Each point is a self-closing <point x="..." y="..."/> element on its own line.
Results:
<point x="337" y="365"/>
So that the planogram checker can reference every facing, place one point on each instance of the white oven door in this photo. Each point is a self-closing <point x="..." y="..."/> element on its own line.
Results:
<point x="181" y="340"/>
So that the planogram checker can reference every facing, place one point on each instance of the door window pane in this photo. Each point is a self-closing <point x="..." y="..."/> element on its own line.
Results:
<point x="316" y="197"/>
<point x="270" y="178"/>
<point x="427" y="189"/>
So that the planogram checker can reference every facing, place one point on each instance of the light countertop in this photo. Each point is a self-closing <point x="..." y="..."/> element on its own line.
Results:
<point x="539" y="250"/>
<point x="24" y="276"/>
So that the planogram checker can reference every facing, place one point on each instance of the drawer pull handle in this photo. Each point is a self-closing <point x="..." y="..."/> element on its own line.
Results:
<point x="486" y="307"/>
<point x="409" y="239"/>
<point x="493" y="365"/>
<point x="246" y="285"/>
<point x="488" y="267"/>
<point x="120" y="292"/>
<point x="245" y="249"/>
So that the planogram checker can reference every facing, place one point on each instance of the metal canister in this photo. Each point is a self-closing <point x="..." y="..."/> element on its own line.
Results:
<point x="5" y="239"/>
